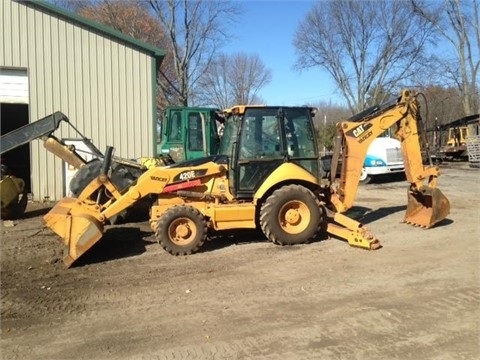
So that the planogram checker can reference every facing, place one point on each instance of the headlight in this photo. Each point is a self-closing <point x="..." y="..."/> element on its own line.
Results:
<point x="375" y="162"/>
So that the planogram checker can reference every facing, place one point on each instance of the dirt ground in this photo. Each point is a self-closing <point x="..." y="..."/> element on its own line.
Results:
<point x="244" y="298"/>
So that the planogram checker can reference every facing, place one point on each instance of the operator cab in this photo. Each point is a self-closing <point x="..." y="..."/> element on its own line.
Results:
<point x="258" y="139"/>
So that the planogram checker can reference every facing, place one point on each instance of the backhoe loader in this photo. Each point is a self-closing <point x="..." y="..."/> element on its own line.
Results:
<point x="266" y="175"/>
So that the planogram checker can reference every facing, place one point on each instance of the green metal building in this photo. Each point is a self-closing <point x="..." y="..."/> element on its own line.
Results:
<point x="104" y="81"/>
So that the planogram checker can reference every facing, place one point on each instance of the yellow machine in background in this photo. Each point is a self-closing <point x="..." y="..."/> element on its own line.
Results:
<point x="13" y="196"/>
<point x="459" y="133"/>
<point x="266" y="175"/>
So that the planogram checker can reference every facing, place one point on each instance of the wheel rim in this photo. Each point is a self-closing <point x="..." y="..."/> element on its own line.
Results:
<point x="182" y="231"/>
<point x="294" y="217"/>
<point x="363" y="174"/>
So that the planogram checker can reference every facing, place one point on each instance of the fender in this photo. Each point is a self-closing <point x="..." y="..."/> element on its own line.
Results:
<point x="285" y="171"/>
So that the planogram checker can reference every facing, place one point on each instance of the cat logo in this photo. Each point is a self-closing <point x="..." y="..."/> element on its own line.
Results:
<point x="359" y="130"/>
<point x="158" y="178"/>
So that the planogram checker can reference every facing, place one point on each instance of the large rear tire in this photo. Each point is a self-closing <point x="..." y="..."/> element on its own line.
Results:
<point x="291" y="215"/>
<point x="181" y="230"/>
<point x="84" y="176"/>
<point x="121" y="176"/>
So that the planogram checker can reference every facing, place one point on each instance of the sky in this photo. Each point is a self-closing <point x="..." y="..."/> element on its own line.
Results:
<point x="267" y="29"/>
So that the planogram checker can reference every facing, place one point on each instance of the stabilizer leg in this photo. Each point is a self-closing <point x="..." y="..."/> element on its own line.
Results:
<point x="351" y="230"/>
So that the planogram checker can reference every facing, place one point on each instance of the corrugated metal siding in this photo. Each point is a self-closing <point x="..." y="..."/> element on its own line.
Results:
<point x="103" y="86"/>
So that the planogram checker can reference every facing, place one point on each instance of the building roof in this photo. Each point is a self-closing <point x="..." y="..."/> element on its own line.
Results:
<point x="156" y="52"/>
<point x="471" y="119"/>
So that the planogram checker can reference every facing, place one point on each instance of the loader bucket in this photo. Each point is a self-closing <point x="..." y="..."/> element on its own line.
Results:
<point x="426" y="207"/>
<point x="79" y="231"/>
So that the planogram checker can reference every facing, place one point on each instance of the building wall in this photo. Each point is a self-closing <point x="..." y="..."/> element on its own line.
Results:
<point x="102" y="84"/>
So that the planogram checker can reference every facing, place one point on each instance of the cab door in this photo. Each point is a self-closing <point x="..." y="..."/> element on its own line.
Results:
<point x="173" y="143"/>
<point x="260" y="150"/>
<point x="270" y="137"/>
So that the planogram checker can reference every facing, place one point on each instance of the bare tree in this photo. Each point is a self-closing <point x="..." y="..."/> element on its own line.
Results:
<point x="129" y="17"/>
<point x="248" y="75"/>
<point x="234" y="79"/>
<point x="214" y="86"/>
<point x="369" y="48"/>
<point x="444" y="105"/>
<point x="327" y="115"/>
<point x="195" y="31"/>
<point x="458" y="22"/>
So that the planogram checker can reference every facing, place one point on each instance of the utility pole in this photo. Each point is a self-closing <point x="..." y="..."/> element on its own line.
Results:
<point x="324" y="129"/>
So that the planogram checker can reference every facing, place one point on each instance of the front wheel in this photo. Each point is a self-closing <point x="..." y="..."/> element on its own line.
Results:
<point x="181" y="230"/>
<point x="364" y="177"/>
<point x="291" y="215"/>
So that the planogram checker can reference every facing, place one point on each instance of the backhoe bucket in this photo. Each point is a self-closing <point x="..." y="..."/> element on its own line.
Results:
<point x="426" y="207"/>
<point x="79" y="230"/>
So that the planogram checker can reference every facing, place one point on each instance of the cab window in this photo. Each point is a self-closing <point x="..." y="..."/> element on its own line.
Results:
<point x="175" y="129"/>
<point x="195" y="132"/>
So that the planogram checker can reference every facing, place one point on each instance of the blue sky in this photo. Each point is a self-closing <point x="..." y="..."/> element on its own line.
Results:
<point x="267" y="29"/>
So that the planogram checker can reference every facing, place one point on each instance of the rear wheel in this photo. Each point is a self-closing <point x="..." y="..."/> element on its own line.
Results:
<point x="181" y="230"/>
<point x="84" y="176"/>
<point x="291" y="215"/>
<point x="121" y="176"/>
<point x="364" y="177"/>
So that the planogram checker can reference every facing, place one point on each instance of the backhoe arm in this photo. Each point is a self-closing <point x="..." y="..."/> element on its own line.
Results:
<point x="356" y="138"/>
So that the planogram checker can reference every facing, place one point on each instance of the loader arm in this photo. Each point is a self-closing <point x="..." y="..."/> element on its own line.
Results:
<point x="80" y="221"/>
<point x="23" y="135"/>
<point x="43" y="129"/>
<point x="354" y="138"/>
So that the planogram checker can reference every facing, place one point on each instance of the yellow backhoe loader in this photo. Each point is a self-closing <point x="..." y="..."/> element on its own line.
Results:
<point x="266" y="175"/>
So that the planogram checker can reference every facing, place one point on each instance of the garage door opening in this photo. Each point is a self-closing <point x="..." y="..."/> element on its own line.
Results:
<point x="17" y="160"/>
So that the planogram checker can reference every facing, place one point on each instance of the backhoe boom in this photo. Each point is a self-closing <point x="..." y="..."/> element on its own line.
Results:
<point x="426" y="204"/>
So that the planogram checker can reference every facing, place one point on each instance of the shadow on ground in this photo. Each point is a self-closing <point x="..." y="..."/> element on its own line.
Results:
<point x="367" y="215"/>
<point x="36" y="209"/>
<point x="223" y="239"/>
<point x="116" y="243"/>
<point x="217" y="240"/>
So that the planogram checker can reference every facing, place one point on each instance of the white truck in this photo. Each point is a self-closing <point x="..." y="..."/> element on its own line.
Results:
<point x="384" y="156"/>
